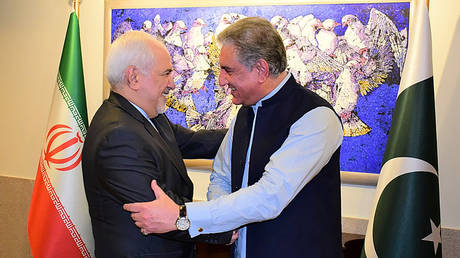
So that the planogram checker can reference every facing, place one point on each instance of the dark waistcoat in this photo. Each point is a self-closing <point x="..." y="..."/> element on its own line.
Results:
<point x="310" y="226"/>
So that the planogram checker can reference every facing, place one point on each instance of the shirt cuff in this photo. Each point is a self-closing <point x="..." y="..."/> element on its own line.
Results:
<point x="200" y="216"/>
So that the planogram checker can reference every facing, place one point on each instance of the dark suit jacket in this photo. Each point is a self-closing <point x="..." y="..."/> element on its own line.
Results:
<point x="122" y="154"/>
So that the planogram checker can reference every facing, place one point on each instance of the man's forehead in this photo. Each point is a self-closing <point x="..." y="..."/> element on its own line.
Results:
<point x="228" y="54"/>
<point x="162" y="59"/>
<point x="228" y="48"/>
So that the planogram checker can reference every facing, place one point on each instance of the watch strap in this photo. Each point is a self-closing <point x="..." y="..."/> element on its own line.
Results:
<point x="182" y="211"/>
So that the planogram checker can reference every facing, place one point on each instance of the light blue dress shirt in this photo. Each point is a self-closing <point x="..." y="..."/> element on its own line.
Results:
<point x="143" y="114"/>
<point x="310" y="144"/>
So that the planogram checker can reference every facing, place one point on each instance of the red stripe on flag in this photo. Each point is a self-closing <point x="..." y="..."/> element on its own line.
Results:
<point x="49" y="230"/>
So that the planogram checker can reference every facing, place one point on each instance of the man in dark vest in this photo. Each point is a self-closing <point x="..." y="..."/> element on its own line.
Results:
<point x="276" y="174"/>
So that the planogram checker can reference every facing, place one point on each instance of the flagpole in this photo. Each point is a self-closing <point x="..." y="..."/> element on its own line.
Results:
<point x="76" y="7"/>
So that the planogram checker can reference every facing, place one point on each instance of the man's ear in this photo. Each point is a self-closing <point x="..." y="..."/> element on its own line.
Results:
<point x="263" y="70"/>
<point x="132" y="77"/>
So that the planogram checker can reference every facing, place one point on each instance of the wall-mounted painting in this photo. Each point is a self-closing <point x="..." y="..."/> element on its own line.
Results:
<point x="351" y="54"/>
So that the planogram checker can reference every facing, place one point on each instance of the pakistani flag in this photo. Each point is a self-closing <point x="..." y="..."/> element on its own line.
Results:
<point x="59" y="223"/>
<point x="405" y="220"/>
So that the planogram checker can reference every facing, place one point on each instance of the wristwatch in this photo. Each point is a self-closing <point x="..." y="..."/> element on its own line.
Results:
<point x="182" y="222"/>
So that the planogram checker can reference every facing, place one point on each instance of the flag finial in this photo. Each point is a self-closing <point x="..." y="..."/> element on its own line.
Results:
<point x="76" y="7"/>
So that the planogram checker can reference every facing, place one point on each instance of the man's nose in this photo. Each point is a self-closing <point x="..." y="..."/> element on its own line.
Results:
<point x="171" y="83"/>
<point x="223" y="78"/>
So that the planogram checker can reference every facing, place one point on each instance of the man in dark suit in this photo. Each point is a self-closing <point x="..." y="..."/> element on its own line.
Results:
<point x="130" y="143"/>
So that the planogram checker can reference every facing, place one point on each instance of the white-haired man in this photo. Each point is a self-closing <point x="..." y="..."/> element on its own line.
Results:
<point x="130" y="143"/>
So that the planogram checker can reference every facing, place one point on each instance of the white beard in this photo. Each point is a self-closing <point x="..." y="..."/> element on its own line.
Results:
<point x="161" y="106"/>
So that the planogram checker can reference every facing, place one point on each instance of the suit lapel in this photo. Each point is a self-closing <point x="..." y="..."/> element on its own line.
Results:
<point x="168" y="141"/>
<point x="174" y="156"/>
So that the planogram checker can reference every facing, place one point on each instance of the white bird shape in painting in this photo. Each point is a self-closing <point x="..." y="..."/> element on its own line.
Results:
<point x="196" y="53"/>
<point x="294" y="28"/>
<point x="369" y="54"/>
<point x="309" y="45"/>
<point x="310" y="29"/>
<point x="173" y="41"/>
<point x="224" y="21"/>
<point x="347" y="94"/>
<point x="296" y="65"/>
<point x="326" y="37"/>
<point x="196" y="81"/>
<point x="302" y="20"/>
<point x="384" y="32"/>
<point x="201" y="62"/>
<point x="356" y="35"/>
<point x="147" y="26"/>
<point x="280" y="23"/>
<point x="174" y="36"/>
<point x="194" y="39"/>
<point x="157" y="28"/>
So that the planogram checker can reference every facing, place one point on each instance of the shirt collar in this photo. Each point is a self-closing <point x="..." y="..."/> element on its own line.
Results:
<point x="143" y="113"/>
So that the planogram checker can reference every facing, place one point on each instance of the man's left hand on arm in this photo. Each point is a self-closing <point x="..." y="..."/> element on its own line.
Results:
<point x="158" y="216"/>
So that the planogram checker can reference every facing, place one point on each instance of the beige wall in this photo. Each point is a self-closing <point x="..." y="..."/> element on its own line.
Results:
<point x="31" y="43"/>
<point x="445" y="24"/>
<point x="32" y="37"/>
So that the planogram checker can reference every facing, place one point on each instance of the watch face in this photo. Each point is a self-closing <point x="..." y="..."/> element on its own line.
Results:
<point x="183" y="223"/>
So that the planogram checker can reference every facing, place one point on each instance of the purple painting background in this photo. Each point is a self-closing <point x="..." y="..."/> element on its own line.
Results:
<point x="358" y="154"/>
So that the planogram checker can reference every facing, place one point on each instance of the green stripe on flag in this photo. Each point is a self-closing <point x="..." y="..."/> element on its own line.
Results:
<point x="71" y="71"/>
<point x="413" y="130"/>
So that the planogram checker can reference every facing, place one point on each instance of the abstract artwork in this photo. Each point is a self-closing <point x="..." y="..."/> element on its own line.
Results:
<point x="350" y="54"/>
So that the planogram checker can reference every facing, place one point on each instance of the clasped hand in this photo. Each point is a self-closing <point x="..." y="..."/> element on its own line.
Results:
<point x="158" y="216"/>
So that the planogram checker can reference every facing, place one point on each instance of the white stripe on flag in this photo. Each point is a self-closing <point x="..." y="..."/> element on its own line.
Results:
<point x="419" y="64"/>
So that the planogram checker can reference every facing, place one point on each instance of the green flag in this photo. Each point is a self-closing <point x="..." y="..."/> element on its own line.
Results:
<point x="405" y="220"/>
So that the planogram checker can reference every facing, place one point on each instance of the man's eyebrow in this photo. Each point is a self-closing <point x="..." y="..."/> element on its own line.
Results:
<point x="167" y="71"/>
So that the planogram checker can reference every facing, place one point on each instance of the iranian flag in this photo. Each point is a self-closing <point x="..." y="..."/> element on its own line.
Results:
<point x="59" y="224"/>
<point x="405" y="219"/>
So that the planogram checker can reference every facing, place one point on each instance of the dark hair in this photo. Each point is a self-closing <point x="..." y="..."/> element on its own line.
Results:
<point x="255" y="38"/>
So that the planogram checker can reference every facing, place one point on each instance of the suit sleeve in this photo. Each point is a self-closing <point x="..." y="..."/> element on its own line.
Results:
<point x="126" y="168"/>
<point x="202" y="144"/>
<point x="127" y="171"/>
